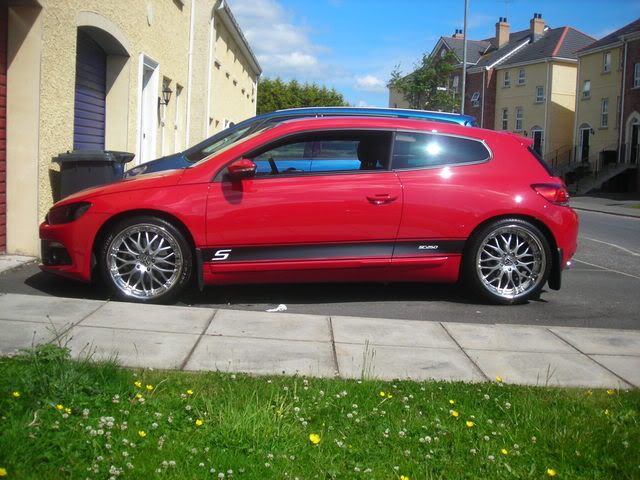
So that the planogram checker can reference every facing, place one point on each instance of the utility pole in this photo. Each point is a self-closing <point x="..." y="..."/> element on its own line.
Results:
<point x="464" y="56"/>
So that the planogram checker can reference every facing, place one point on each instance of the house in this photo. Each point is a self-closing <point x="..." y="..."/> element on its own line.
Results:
<point x="536" y="87"/>
<point x="148" y="77"/>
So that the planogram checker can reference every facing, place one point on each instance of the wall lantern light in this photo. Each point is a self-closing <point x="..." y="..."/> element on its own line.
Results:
<point x="166" y="96"/>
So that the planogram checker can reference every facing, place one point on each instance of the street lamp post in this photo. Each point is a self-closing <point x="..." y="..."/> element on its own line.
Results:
<point x="464" y="56"/>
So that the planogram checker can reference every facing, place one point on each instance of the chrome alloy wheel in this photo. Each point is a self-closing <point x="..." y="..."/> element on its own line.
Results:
<point x="511" y="261"/>
<point x="144" y="261"/>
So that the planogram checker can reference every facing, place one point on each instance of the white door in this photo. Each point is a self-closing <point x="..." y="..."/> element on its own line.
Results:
<point x="148" y="110"/>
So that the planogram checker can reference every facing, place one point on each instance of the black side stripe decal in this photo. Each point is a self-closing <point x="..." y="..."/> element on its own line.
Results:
<point x="332" y="251"/>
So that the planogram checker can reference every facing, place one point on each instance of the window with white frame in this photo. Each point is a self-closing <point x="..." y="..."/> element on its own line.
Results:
<point x="522" y="78"/>
<point x="606" y="62"/>
<point x="539" y="94"/>
<point x="604" y="113"/>
<point x="455" y="83"/>
<point x="475" y="99"/>
<point x="586" y="89"/>
<point x="636" y="76"/>
<point x="519" y="119"/>
<point x="505" y="119"/>
<point x="506" y="80"/>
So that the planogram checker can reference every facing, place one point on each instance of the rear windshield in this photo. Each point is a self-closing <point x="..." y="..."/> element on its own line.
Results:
<point x="543" y="162"/>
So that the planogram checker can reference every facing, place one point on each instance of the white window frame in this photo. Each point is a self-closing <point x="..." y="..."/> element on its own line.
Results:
<point x="586" y="92"/>
<point x="519" y="119"/>
<point x="506" y="79"/>
<point x="522" y="76"/>
<point x="539" y="98"/>
<point x="636" y="75"/>
<point x="475" y="99"/>
<point x="604" y="113"/>
<point x="505" y="119"/>
<point x="606" y="62"/>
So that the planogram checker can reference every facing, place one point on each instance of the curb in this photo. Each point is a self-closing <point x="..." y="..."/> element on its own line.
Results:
<point x="627" y="215"/>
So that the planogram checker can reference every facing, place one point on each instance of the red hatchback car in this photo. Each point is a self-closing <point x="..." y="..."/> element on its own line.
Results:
<point x="327" y="200"/>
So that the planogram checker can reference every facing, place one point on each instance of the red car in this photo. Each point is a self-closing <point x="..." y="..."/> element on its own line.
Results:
<point x="327" y="200"/>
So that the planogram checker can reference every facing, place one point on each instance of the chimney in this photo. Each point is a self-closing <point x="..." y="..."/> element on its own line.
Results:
<point x="458" y="33"/>
<point x="502" y="32"/>
<point x="536" y="27"/>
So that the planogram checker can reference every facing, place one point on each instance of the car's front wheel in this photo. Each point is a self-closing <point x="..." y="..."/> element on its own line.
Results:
<point x="146" y="259"/>
<point x="507" y="261"/>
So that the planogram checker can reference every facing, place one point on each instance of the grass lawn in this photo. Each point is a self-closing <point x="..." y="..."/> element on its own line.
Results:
<point x="63" y="419"/>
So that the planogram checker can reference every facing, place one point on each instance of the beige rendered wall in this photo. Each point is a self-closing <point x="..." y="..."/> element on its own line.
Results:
<point x="396" y="99"/>
<point x="233" y="84"/>
<point x="561" y="110"/>
<point x="522" y="96"/>
<point x="603" y="85"/>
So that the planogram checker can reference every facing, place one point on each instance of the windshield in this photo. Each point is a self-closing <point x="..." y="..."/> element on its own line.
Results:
<point x="232" y="140"/>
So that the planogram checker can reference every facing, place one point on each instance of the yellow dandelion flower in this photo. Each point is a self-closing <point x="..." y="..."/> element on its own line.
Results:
<point x="199" y="422"/>
<point x="389" y="395"/>
<point x="3" y="472"/>
<point x="149" y="387"/>
<point x="404" y="477"/>
<point x="59" y="407"/>
<point x="138" y="396"/>
<point x="142" y="433"/>
<point x="454" y="413"/>
<point x="314" y="438"/>
<point x="452" y="402"/>
<point x="138" y="384"/>
<point x="504" y="451"/>
<point x="499" y="379"/>
<point x="606" y="412"/>
<point x="551" y="472"/>
<point x="588" y="393"/>
<point x="189" y="392"/>
<point x="15" y="394"/>
<point x="611" y="391"/>
<point x="382" y="394"/>
<point x="67" y="411"/>
<point x="469" y="423"/>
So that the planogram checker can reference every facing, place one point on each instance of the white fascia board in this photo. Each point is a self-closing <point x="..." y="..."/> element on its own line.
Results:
<point x="540" y="60"/>
<point x="231" y="24"/>
<point x="601" y="48"/>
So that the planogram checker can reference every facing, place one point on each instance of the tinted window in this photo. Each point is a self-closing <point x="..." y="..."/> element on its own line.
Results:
<point x="326" y="152"/>
<point x="415" y="150"/>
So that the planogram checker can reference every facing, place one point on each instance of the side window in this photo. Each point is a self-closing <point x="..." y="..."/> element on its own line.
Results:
<point x="415" y="150"/>
<point x="326" y="152"/>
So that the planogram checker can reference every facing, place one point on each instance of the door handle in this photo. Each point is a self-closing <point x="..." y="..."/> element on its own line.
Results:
<point x="381" y="198"/>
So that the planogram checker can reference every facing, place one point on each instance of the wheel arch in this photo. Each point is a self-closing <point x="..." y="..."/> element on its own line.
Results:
<point x="179" y="224"/>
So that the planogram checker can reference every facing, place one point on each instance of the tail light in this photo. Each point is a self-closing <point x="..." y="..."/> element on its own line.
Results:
<point x="552" y="192"/>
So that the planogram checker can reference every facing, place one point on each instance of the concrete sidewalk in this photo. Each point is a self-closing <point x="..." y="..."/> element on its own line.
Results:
<point x="281" y="343"/>
<point x="612" y="206"/>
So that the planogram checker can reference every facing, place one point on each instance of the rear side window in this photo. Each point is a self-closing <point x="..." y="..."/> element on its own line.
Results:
<point x="416" y="150"/>
<point x="549" y="169"/>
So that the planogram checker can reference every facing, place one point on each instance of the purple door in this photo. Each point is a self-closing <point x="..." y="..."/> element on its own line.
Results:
<point x="89" y="108"/>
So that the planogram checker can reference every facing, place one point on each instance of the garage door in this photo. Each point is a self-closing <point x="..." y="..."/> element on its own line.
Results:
<point x="3" y="128"/>
<point x="89" y="113"/>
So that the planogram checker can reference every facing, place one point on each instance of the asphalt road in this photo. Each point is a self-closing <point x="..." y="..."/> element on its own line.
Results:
<point x="601" y="290"/>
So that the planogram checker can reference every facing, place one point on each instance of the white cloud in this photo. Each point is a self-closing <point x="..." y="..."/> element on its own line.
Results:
<point x="283" y="47"/>
<point x="370" y="83"/>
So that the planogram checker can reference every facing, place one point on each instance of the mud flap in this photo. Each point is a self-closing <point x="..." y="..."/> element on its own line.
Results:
<point x="555" y="277"/>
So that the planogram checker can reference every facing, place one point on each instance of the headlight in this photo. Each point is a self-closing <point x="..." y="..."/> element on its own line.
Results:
<point x="67" y="213"/>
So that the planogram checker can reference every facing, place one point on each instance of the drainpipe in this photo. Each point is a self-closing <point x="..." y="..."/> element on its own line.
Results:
<point x="572" y="158"/>
<point x="464" y="57"/>
<point x="190" y="71"/>
<point x="546" y="107"/>
<point x="484" y="72"/>
<point x="624" y="79"/>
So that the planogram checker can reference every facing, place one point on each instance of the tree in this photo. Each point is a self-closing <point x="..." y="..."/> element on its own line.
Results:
<point x="427" y="87"/>
<point x="277" y="95"/>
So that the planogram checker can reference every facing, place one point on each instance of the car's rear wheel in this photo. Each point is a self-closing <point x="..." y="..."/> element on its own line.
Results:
<point x="508" y="261"/>
<point x="146" y="259"/>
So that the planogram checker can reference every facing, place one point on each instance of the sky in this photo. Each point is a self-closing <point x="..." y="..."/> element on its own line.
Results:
<point x="354" y="45"/>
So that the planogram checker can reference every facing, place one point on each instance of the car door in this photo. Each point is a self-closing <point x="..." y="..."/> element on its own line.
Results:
<point x="320" y="200"/>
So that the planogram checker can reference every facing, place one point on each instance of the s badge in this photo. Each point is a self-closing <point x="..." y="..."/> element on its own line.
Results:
<point x="221" y="255"/>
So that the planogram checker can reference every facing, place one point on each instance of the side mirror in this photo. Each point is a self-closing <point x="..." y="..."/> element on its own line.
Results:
<point x="240" y="169"/>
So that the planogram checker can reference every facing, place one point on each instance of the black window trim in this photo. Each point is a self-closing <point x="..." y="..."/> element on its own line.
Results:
<point x="220" y="174"/>
<point x="442" y="165"/>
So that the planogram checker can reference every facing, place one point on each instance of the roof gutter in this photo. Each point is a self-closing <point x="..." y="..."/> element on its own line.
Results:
<point x="230" y="22"/>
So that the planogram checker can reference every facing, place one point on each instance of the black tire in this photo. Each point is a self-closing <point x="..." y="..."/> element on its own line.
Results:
<point x="484" y="275"/>
<point x="122" y="263"/>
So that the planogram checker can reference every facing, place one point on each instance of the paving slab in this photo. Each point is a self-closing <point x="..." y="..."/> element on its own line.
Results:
<point x="17" y="335"/>
<point x="601" y="341"/>
<point x="157" y="318"/>
<point x="284" y="326"/>
<point x="9" y="262"/>
<point x="519" y="338"/>
<point x="380" y="331"/>
<point x="132" y="348"/>
<point x="624" y="366"/>
<point x="263" y="356"/>
<point x="545" y="369"/>
<point x="388" y="363"/>
<point x="33" y="308"/>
